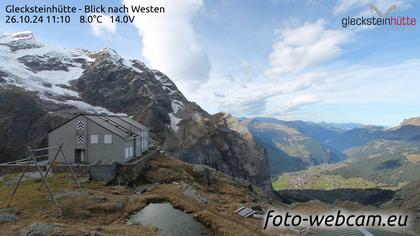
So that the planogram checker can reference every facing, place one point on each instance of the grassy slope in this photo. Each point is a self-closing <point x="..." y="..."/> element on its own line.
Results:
<point x="318" y="177"/>
<point x="380" y="163"/>
<point x="384" y="161"/>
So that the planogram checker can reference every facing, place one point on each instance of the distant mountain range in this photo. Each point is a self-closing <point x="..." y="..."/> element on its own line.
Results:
<point x="388" y="155"/>
<point x="339" y="126"/>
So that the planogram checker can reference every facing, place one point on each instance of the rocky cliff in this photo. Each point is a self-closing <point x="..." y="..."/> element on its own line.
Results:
<point x="407" y="199"/>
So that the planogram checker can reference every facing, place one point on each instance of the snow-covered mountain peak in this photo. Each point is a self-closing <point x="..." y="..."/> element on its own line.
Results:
<point x="45" y="70"/>
<point x="48" y="71"/>
<point x="9" y="37"/>
<point x="19" y="41"/>
<point x="110" y="55"/>
<point x="23" y="35"/>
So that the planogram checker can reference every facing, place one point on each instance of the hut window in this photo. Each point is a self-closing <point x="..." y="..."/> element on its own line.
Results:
<point x="138" y="147"/>
<point x="94" y="138"/>
<point x="107" y="139"/>
<point x="127" y="153"/>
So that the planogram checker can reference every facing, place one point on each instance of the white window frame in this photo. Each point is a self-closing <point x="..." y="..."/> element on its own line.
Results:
<point x="94" y="139"/>
<point x="107" y="138"/>
<point x="131" y="149"/>
<point x="126" y="152"/>
<point x="138" y="144"/>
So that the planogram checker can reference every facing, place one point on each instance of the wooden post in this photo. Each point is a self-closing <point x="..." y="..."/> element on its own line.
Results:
<point x="18" y="183"/>
<point x="49" y="168"/>
<point x="60" y="150"/>
<point x="42" y="176"/>
<point x="71" y="170"/>
<point x="32" y="158"/>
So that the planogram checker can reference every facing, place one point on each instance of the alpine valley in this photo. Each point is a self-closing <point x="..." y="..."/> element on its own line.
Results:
<point x="326" y="156"/>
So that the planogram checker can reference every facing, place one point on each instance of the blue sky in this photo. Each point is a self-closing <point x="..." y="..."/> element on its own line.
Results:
<point x="287" y="59"/>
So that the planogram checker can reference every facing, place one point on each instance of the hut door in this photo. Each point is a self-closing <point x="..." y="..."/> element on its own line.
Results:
<point x="79" y="156"/>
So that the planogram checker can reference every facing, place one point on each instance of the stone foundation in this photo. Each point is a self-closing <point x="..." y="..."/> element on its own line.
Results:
<point x="127" y="173"/>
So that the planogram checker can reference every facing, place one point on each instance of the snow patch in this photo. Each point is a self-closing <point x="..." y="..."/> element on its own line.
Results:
<point x="54" y="85"/>
<point x="23" y="35"/>
<point x="83" y="106"/>
<point x="129" y="64"/>
<point x="176" y="105"/>
<point x="174" y="121"/>
<point x="47" y="83"/>
<point x="165" y="82"/>
<point x="112" y="55"/>
<point x="172" y="115"/>
<point x="19" y="41"/>
<point x="86" y="107"/>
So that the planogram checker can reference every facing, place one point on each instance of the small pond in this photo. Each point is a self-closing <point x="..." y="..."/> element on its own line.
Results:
<point x="169" y="221"/>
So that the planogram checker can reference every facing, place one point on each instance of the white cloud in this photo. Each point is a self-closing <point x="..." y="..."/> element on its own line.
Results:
<point x="339" y="93"/>
<point x="344" y="6"/>
<point x="300" y="101"/>
<point x="303" y="47"/>
<point x="396" y="83"/>
<point x="105" y="28"/>
<point x="368" y="93"/>
<point x="170" y="42"/>
<point x="250" y="100"/>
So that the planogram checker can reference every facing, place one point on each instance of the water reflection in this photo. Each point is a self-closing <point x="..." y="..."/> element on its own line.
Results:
<point x="170" y="221"/>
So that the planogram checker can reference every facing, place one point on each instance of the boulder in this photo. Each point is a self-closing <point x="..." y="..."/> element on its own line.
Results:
<point x="8" y="218"/>
<point x="42" y="230"/>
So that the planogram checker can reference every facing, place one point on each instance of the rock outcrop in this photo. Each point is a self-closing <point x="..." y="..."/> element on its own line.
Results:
<point x="407" y="199"/>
